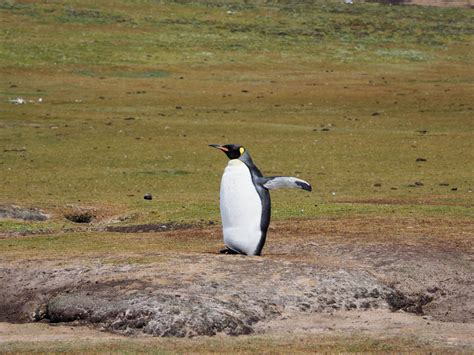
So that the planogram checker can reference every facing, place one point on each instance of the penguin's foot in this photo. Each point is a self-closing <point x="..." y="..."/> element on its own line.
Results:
<point x="228" y="251"/>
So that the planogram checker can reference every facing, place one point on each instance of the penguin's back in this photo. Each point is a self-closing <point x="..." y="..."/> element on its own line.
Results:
<point x="241" y="209"/>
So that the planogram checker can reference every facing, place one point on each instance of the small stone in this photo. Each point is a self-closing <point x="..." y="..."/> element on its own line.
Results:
<point x="148" y="196"/>
<point x="420" y="160"/>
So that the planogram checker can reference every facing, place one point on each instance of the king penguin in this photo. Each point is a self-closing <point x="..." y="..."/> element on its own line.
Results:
<point x="245" y="201"/>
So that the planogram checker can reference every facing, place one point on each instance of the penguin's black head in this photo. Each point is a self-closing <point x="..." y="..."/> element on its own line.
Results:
<point x="233" y="151"/>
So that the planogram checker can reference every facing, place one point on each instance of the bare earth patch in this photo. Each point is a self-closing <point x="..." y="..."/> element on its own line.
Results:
<point x="377" y="276"/>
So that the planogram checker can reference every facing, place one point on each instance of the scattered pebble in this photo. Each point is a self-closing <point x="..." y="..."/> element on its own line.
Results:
<point x="148" y="196"/>
<point x="420" y="159"/>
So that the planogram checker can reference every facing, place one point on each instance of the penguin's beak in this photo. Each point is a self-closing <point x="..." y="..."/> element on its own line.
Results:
<point x="218" y="146"/>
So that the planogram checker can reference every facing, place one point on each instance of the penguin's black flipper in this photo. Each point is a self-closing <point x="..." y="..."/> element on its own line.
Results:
<point x="284" y="182"/>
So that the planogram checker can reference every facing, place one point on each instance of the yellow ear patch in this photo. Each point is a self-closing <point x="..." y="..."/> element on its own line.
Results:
<point x="242" y="150"/>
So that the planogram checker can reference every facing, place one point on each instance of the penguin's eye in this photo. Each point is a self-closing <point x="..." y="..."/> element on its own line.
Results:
<point x="242" y="150"/>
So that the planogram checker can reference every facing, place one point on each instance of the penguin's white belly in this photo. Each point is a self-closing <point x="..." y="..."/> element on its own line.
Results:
<point x="241" y="209"/>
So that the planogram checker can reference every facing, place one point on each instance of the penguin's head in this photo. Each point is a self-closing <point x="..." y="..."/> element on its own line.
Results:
<point x="233" y="151"/>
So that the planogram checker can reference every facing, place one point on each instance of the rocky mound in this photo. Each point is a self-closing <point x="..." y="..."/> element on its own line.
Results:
<point x="16" y="212"/>
<point x="191" y="295"/>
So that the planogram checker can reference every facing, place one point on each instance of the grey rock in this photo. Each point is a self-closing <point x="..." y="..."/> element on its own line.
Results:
<point x="27" y="214"/>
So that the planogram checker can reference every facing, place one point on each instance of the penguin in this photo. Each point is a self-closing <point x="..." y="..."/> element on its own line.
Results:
<point x="245" y="204"/>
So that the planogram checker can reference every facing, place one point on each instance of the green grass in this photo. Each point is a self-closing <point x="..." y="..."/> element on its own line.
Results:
<point x="108" y="246"/>
<point x="27" y="227"/>
<point x="133" y="93"/>
<point x="242" y="345"/>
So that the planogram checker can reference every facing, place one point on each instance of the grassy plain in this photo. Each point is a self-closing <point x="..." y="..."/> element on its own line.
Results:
<point x="345" y="97"/>
<point x="242" y="345"/>
<point x="372" y="104"/>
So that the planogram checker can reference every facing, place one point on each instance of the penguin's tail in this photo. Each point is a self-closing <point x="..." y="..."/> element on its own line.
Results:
<point x="284" y="182"/>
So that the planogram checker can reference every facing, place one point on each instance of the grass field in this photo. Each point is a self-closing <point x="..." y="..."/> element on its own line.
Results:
<point x="254" y="344"/>
<point x="372" y="104"/>
<point x="346" y="97"/>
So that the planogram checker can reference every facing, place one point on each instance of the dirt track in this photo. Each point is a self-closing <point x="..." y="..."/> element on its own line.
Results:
<point x="325" y="276"/>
